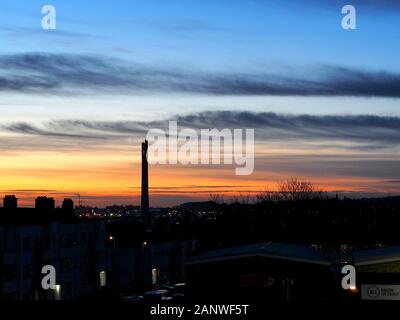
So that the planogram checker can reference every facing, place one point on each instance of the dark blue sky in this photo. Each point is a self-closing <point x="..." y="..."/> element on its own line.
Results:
<point x="211" y="34"/>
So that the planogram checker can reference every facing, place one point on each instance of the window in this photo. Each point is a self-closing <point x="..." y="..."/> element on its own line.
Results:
<point x="97" y="258"/>
<point x="26" y="272"/>
<point x="9" y="272"/>
<point x="83" y="260"/>
<point x="68" y="287"/>
<point x="27" y="296"/>
<point x="69" y="240"/>
<point x="57" y="292"/>
<point x="103" y="281"/>
<point x="155" y="272"/>
<point x="83" y="237"/>
<point x="61" y="240"/>
<point x="26" y="244"/>
<point x="47" y="241"/>
<point x="66" y="264"/>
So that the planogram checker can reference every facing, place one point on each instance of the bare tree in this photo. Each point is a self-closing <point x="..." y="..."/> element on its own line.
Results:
<point x="241" y="198"/>
<point x="217" y="198"/>
<point x="292" y="189"/>
<point x="295" y="189"/>
<point x="268" y="196"/>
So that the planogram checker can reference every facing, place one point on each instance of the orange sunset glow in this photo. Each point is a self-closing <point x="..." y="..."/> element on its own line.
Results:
<point x="77" y="101"/>
<point x="113" y="177"/>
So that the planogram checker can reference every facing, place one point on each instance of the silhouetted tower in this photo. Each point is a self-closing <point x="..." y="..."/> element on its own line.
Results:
<point x="10" y="202"/>
<point x="68" y="205"/>
<point x="44" y="204"/>
<point x="145" y="184"/>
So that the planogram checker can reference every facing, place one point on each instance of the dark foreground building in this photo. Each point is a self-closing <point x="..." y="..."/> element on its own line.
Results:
<point x="92" y="257"/>
<point x="276" y="271"/>
<point x="260" y="271"/>
<point x="31" y="238"/>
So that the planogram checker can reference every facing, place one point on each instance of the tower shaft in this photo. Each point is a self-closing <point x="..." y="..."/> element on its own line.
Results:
<point x="145" y="184"/>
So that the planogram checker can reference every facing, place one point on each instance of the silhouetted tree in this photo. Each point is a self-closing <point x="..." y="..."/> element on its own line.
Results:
<point x="295" y="189"/>
<point x="243" y="199"/>
<point x="217" y="198"/>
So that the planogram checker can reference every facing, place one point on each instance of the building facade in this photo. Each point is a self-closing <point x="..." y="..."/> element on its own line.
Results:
<point x="30" y="240"/>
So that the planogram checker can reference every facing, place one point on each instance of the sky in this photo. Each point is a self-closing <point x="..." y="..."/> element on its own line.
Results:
<point x="77" y="101"/>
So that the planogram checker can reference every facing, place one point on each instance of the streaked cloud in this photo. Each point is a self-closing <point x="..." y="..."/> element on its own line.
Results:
<point x="185" y="25"/>
<point x="357" y="132"/>
<point x="73" y="74"/>
<point x="382" y="4"/>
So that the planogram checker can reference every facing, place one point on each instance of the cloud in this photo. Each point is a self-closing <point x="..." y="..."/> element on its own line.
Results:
<point x="393" y="181"/>
<point x="191" y="187"/>
<point x="31" y="190"/>
<point x="185" y="25"/>
<point x="382" y="4"/>
<point x="87" y="74"/>
<point x="353" y="132"/>
<point x="354" y="166"/>
<point x="360" y="128"/>
<point x="18" y="31"/>
<point x="55" y="129"/>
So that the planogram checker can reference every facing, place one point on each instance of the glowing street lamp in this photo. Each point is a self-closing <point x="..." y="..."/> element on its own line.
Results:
<point x="113" y="239"/>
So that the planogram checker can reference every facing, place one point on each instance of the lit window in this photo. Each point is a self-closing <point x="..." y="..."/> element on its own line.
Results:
<point x="57" y="292"/>
<point x="103" y="280"/>
<point x="154" y="275"/>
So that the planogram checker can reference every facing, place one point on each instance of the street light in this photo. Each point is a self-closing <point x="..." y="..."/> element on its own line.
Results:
<point x="353" y="289"/>
<point x="113" y="239"/>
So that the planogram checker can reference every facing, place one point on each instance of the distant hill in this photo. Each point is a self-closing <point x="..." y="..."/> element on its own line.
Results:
<point x="199" y="206"/>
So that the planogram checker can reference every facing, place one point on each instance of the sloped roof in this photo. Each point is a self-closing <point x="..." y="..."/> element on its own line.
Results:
<point x="293" y="252"/>
<point x="273" y="250"/>
<point x="376" y="256"/>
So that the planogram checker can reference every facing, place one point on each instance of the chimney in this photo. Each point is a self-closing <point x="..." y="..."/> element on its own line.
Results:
<point x="44" y="204"/>
<point x="10" y="202"/>
<point x="145" y="184"/>
<point x="68" y="205"/>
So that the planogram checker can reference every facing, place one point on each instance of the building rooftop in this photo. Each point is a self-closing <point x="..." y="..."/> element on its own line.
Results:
<point x="299" y="253"/>
<point x="273" y="250"/>
<point x="376" y="256"/>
